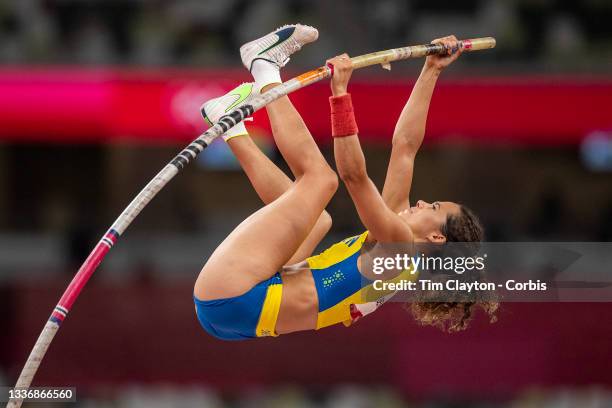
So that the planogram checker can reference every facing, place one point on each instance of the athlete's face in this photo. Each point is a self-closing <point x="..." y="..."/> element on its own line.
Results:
<point x="426" y="219"/>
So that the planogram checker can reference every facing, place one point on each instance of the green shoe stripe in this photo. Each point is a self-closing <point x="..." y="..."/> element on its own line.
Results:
<point x="242" y="92"/>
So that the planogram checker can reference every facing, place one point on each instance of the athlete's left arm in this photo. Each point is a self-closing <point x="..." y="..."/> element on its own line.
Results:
<point x="410" y="128"/>
<point x="383" y="224"/>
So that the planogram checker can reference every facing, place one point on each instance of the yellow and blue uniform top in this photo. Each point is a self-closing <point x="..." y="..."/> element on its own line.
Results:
<point x="344" y="293"/>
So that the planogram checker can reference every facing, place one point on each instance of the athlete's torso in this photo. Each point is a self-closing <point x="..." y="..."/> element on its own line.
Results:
<point x="328" y="289"/>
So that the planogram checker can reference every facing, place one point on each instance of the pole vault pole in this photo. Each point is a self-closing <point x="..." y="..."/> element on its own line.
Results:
<point x="63" y="307"/>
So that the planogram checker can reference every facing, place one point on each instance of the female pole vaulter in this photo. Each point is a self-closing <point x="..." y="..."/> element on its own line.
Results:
<point x="262" y="280"/>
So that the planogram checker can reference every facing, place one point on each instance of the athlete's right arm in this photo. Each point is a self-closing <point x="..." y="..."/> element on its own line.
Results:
<point x="384" y="224"/>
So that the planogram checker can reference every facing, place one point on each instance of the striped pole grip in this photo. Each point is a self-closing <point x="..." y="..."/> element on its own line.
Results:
<point x="226" y="122"/>
<point x="417" y="51"/>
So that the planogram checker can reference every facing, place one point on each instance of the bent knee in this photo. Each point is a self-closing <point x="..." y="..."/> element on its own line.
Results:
<point x="327" y="180"/>
<point x="323" y="180"/>
<point x="324" y="223"/>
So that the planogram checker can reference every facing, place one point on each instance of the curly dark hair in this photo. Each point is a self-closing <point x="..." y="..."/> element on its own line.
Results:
<point x="466" y="228"/>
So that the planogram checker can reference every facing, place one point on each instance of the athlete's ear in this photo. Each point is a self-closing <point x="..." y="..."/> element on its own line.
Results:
<point x="436" y="237"/>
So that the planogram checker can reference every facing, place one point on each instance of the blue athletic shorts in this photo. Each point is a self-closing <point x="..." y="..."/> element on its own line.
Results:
<point x="247" y="316"/>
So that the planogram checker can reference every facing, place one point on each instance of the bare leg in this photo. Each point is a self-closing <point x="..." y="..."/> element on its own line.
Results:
<point x="286" y="123"/>
<point x="291" y="134"/>
<point x="267" y="179"/>
<point x="267" y="240"/>
<point x="270" y="183"/>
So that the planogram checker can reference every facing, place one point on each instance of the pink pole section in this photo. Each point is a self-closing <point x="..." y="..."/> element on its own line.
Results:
<point x="87" y="269"/>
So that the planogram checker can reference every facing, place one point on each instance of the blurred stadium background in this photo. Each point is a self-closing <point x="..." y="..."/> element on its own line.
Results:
<point x="96" y="96"/>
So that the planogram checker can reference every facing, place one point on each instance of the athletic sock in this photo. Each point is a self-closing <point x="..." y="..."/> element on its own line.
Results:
<point x="265" y="73"/>
<point x="238" y="130"/>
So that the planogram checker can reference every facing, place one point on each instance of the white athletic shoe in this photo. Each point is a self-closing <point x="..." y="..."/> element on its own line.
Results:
<point x="277" y="46"/>
<point x="213" y="109"/>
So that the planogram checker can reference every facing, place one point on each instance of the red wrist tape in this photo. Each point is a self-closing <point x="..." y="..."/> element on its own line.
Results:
<point x="342" y="116"/>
